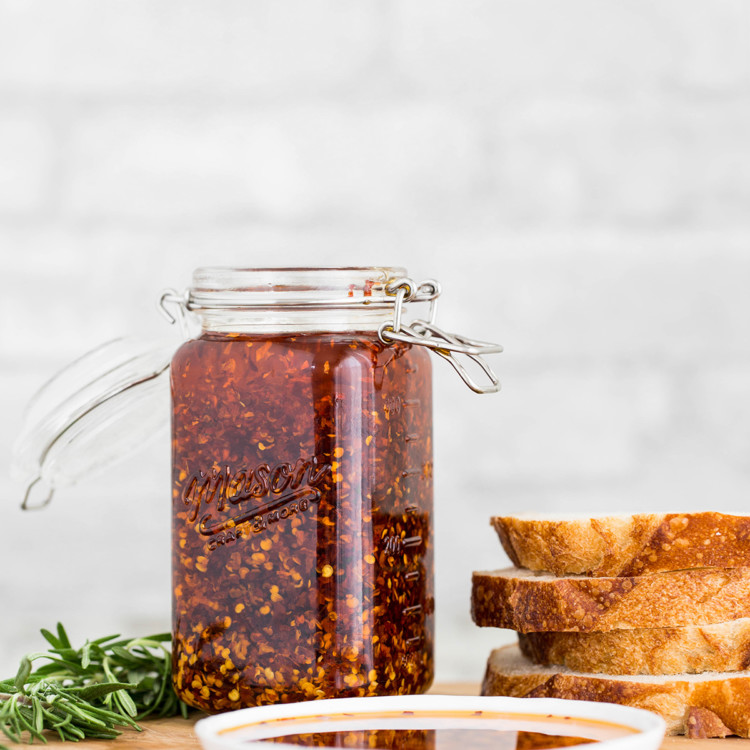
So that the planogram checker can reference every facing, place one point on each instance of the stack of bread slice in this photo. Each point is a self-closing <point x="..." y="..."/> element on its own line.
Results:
<point x="647" y="610"/>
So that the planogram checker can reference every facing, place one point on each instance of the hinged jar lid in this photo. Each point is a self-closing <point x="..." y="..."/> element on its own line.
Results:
<point x="93" y="413"/>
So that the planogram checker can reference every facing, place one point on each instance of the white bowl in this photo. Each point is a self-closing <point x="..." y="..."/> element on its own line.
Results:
<point x="245" y="729"/>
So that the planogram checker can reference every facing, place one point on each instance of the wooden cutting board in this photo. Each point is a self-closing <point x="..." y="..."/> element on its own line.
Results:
<point x="177" y="733"/>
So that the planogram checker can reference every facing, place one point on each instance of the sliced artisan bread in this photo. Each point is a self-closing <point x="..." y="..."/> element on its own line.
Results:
<point x="625" y="545"/>
<point x="708" y="704"/>
<point x="530" y="602"/>
<point x="724" y="647"/>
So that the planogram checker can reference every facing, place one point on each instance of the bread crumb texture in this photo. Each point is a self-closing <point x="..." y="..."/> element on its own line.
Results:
<point x="723" y="647"/>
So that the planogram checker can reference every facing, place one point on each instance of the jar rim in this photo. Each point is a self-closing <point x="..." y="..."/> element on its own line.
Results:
<point x="222" y="287"/>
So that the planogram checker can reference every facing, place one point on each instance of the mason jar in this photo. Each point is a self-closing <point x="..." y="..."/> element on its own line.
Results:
<point x="302" y="475"/>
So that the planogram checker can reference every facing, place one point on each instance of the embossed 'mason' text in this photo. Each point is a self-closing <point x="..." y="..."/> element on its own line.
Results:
<point x="288" y="489"/>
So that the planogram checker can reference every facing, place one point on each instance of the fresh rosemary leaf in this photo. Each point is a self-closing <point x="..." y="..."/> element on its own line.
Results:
<point x="51" y="639"/>
<point x="63" y="636"/>
<point x="38" y="714"/>
<point x="100" y="689"/>
<point x="91" y="692"/>
<point x="86" y="655"/>
<point x="126" y="657"/>
<point x="24" y="670"/>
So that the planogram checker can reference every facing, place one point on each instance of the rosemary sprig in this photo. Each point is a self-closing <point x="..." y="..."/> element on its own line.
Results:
<point x="88" y="692"/>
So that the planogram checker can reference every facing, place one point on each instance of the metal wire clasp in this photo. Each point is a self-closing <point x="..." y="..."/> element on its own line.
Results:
<point x="425" y="333"/>
<point x="174" y="307"/>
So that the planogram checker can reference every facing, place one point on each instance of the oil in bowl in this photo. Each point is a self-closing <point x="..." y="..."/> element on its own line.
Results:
<point x="434" y="722"/>
<point x="457" y="730"/>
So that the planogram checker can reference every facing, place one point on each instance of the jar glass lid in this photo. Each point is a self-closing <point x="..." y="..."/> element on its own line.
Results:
<point x="96" y="411"/>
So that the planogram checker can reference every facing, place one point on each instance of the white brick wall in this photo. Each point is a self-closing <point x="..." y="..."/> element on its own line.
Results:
<point x="169" y="48"/>
<point x="530" y="48"/>
<point x="576" y="174"/>
<point x="649" y="160"/>
<point x="27" y="159"/>
<point x="288" y="164"/>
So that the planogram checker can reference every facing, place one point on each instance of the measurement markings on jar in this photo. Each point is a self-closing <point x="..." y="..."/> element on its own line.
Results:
<point x="412" y="541"/>
<point x="393" y="404"/>
<point x="395" y="545"/>
<point x="412" y="475"/>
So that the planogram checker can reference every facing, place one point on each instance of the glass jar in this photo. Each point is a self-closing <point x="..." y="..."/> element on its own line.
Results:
<point x="302" y="493"/>
<point x="302" y="475"/>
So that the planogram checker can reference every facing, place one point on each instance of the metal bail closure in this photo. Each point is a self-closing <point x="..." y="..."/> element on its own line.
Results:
<point x="174" y="307"/>
<point x="425" y="333"/>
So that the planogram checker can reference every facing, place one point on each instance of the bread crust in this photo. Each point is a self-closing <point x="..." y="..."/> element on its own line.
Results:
<point x="723" y="647"/>
<point x="727" y="696"/>
<point x="513" y="599"/>
<point x="640" y="544"/>
<point x="702" y="723"/>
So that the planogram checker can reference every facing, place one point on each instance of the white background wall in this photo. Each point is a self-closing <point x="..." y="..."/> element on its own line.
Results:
<point x="576" y="173"/>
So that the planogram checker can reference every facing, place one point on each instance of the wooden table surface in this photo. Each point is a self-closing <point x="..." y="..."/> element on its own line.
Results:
<point x="177" y="733"/>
